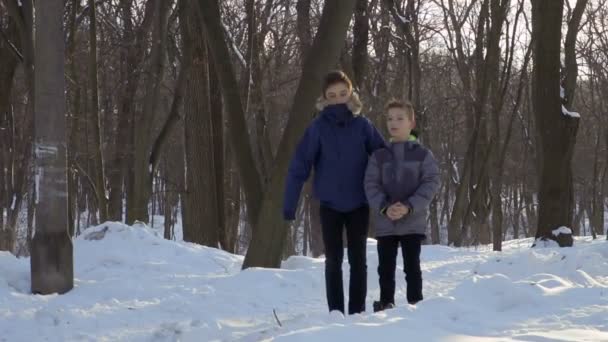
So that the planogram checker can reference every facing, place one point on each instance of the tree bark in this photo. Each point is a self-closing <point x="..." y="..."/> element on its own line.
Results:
<point x="265" y="248"/>
<point x="8" y="193"/>
<point x="119" y="177"/>
<point x="97" y="140"/>
<point x="303" y="27"/>
<point x="21" y="160"/>
<point x="52" y="269"/>
<point x="227" y="234"/>
<point x="360" y="40"/>
<point x="239" y="137"/>
<point x="556" y="131"/>
<point x="201" y="200"/>
<point x="141" y="176"/>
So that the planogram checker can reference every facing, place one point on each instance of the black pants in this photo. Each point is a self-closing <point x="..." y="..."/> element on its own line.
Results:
<point x="356" y="223"/>
<point x="388" y="247"/>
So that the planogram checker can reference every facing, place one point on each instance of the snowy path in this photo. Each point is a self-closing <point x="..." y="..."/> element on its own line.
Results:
<point x="134" y="286"/>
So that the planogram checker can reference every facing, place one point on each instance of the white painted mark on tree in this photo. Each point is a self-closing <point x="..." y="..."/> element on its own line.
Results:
<point x="37" y="183"/>
<point x="43" y="150"/>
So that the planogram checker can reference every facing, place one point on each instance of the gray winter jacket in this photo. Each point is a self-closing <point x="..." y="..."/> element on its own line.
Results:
<point x="405" y="172"/>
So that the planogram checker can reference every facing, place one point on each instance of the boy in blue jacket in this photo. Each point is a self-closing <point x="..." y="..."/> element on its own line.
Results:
<point x="337" y="144"/>
<point x="400" y="182"/>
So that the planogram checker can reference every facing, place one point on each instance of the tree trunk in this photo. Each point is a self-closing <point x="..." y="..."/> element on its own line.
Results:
<point x="21" y="154"/>
<point x="360" y="40"/>
<point x="265" y="248"/>
<point x="434" y="218"/>
<point x="52" y="269"/>
<point x="239" y="137"/>
<point x="203" y="216"/>
<point x="303" y="27"/>
<point x="227" y="235"/>
<point x="131" y="55"/>
<point x="8" y="193"/>
<point x="98" y="162"/>
<point x="556" y="131"/>
<point x="314" y="236"/>
<point x="141" y="173"/>
<point x="232" y="209"/>
<point x="251" y="80"/>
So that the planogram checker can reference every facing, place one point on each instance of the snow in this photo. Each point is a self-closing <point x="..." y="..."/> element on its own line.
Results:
<point x="403" y="19"/>
<point x="569" y="113"/>
<point x="562" y="230"/>
<point x="132" y="285"/>
<point x="235" y="48"/>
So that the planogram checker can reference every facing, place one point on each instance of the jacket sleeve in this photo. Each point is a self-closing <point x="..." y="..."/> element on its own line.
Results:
<point x="299" y="170"/>
<point x="429" y="184"/>
<point x="376" y="197"/>
<point x="374" y="139"/>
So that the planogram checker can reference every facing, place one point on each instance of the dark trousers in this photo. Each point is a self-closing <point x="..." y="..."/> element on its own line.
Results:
<point x="333" y="224"/>
<point x="388" y="247"/>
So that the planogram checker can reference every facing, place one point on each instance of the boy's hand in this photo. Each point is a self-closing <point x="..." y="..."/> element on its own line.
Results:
<point x="392" y="213"/>
<point x="403" y="209"/>
<point x="397" y="211"/>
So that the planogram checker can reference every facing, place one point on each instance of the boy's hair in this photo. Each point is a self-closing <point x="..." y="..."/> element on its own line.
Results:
<point x="405" y="105"/>
<point x="335" y="77"/>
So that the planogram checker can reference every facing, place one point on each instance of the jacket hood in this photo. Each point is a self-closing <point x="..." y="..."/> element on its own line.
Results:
<point x="354" y="104"/>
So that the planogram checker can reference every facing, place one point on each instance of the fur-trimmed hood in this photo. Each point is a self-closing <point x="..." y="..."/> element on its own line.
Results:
<point x="354" y="104"/>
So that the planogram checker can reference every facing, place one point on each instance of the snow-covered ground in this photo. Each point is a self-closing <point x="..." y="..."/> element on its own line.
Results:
<point x="131" y="285"/>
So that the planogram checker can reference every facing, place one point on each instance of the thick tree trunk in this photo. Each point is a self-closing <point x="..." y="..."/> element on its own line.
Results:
<point x="265" y="248"/>
<point x="314" y="235"/>
<point x="52" y="267"/>
<point x="21" y="149"/>
<point x="556" y="131"/>
<point x="201" y="200"/>
<point x="8" y="194"/>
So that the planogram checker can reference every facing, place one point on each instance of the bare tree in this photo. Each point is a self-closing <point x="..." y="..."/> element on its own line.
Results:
<point x="556" y="128"/>
<point x="141" y="176"/>
<point x="99" y="179"/>
<point x="51" y="260"/>
<point x="202" y="214"/>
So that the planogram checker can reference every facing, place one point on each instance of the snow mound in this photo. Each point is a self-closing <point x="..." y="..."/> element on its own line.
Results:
<point x="132" y="285"/>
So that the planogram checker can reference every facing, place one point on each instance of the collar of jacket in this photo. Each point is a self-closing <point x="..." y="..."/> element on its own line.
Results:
<point x="354" y="104"/>
<point x="411" y="138"/>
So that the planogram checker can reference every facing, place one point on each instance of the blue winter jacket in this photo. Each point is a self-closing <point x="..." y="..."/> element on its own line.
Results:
<point x="337" y="143"/>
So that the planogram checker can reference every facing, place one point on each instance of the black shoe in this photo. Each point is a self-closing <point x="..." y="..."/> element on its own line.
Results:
<point x="379" y="306"/>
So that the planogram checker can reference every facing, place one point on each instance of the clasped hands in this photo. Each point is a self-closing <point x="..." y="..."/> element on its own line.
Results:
<point x="397" y="210"/>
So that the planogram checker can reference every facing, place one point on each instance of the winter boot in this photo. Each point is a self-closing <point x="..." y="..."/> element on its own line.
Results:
<point x="379" y="306"/>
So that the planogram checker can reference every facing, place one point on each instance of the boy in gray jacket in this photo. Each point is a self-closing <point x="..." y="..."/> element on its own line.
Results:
<point x="400" y="182"/>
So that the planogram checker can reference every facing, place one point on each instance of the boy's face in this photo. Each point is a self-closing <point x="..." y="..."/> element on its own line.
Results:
<point x="337" y="93"/>
<point x="398" y="123"/>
